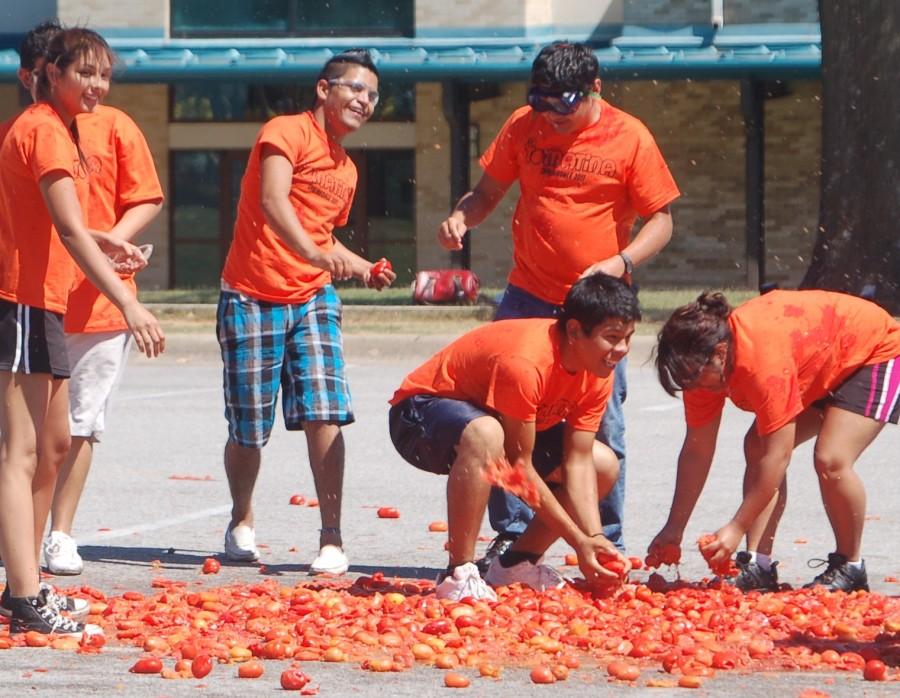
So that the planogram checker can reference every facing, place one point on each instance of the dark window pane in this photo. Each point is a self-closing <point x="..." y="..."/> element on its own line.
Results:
<point x="292" y="17"/>
<point x="358" y="17"/>
<point x="387" y="226"/>
<point x="195" y="194"/>
<point x="197" y="264"/>
<point x="230" y="16"/>
<point x="259" y="103"/>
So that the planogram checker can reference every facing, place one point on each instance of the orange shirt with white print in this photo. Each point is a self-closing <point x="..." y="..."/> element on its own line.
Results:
<point x="790" y="349"/>
<point x="35" y="267"/>
<point x="259" y="263"/>
<point x="513" y="368"/>
<point x="580" y="193"/>
<point x="121" y="174"/>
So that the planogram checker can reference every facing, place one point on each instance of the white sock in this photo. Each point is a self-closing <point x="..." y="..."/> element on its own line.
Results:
<point x="855" y="564"/>
<point x="764" y="561"/>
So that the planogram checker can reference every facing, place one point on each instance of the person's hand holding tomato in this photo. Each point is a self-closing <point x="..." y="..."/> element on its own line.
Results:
<point x="380" y="275"/>
<point x="664" y="547"/>
<point x="593" y="552"/>
<point x="718" y="552"/>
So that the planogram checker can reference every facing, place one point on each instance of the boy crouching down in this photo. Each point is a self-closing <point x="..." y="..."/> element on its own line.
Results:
<point x="531" y="391"/>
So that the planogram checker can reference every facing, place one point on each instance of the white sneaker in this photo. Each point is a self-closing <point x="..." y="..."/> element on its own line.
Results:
<point x="465" y="581"/>
<point x="70" y="605"/>
<point x="538" y="577"/>
<point x="330" y="560"/>
<point x="240" y="544"/>
<point x="61" y="554"/>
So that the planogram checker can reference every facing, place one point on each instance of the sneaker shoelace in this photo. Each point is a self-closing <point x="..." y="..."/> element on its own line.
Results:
<point x="57" y="622"/>
<point x="833" y="570"/>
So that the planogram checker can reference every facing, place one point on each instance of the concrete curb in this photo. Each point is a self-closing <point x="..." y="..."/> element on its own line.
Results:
<point x="352" y="313"/>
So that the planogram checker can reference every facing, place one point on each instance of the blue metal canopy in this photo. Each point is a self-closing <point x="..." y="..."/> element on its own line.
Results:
<point x="627" y="52"/>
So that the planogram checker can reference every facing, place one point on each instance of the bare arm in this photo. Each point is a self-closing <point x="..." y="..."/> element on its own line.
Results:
<point x="135" y="220"/>
<point x="58" y="190"/>
<point x="471" y="210"/>
<point x="694" y="463"/>
<point x="777" y="448"/>
<point x="649" y="240"/>
<point x="275" y="189"/>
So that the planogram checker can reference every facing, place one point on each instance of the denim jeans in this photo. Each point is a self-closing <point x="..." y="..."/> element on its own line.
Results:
<point x="508" y="513"/>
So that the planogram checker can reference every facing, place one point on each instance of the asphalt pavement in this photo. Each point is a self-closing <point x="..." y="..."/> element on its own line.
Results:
<point x="157" y="503"/>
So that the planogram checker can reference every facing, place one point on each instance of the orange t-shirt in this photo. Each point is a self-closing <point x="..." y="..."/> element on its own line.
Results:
<point x="259" y="263"/>
<point x="580" y="193"/>
<point x="512" y="367"/>
<point x="792" y="348"/>
<point x="35" y="267"/>
<point x="121" y="175"/>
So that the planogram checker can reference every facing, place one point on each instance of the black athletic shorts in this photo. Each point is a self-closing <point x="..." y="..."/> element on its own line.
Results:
<point x="32" y="340"/>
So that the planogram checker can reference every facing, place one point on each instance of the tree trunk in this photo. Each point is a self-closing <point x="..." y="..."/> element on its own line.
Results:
<point x="858" y="246"/>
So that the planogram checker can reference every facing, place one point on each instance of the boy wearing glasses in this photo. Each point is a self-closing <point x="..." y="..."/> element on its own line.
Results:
<point x="586" y="172"/>
<point x="279" y="317"/>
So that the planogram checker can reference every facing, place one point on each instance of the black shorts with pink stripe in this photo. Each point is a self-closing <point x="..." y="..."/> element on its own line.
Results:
<point x="873" y="391"/>
<point x="32" y="340"/>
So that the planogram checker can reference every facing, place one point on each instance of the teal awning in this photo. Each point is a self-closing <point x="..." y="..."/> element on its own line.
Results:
<point x="765" y="51"/>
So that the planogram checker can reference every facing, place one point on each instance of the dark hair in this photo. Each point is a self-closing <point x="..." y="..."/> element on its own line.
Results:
<point x="337" y="65"/>
<point x="688" y="340"/>
<point x="66" y="47"/>
<point x="34" y="45"/>
<point x="597" y="298"/>
<point x="565" y="67"/>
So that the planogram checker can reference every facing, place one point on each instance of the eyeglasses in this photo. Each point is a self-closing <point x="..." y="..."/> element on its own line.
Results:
<point x="563" y="103"/>
<point x="358" y="88"/>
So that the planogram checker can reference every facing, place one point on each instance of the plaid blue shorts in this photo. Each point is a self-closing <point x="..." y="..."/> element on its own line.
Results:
<point x="297" y="347"/>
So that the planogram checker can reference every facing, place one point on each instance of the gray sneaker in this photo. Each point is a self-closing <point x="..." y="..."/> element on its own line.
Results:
<point x="839" y="575"/>
<point x="752" y="576"/>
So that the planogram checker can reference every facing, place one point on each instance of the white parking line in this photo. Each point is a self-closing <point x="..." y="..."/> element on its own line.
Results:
<point x="168" y="393"/>
<point x="103" y="536"/>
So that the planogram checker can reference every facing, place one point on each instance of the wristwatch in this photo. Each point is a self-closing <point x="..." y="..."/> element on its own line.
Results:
<point x="629" y="265"/>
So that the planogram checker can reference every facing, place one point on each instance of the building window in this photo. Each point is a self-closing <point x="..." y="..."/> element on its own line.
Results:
<point x="382" y="221"/>
<point x="224" y="101"/>
<point x="224" y="18"/>
<point x="206" y="185"/>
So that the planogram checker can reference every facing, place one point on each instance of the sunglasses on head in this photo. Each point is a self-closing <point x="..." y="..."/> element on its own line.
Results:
<point x="560" y="102"/>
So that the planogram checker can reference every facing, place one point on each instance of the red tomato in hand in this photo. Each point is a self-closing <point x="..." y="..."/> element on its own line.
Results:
<point x="388" y="513"/>
<point x="201" y="666"/>
<point x="381" y="266"/>
<point x="211" y="566"/>
<point x="294" y="679"/>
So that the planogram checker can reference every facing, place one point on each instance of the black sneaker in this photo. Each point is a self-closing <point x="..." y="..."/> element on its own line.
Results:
<point x="839" y="575"/>
<point x="497" y="547"/>
<point x="752" y="577"/>
<point x="75" y="607"/>
<point x="35" y="613"/>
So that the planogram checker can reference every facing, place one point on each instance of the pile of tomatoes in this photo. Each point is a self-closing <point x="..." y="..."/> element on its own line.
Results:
<point x="660" y="634"/>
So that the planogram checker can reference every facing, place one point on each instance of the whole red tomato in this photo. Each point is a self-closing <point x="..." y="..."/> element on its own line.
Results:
<point x="211" y="566"/>
<point x="388" y="513"/>
<point x="201" y="666"/>
<point x="298" y="500"/>
<point x="294" y="679"/>
<point x="542" y="674"/>
<point x="147" y="665"/>
<point x="250" y="670"/>
<point x="874" y="670"/>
